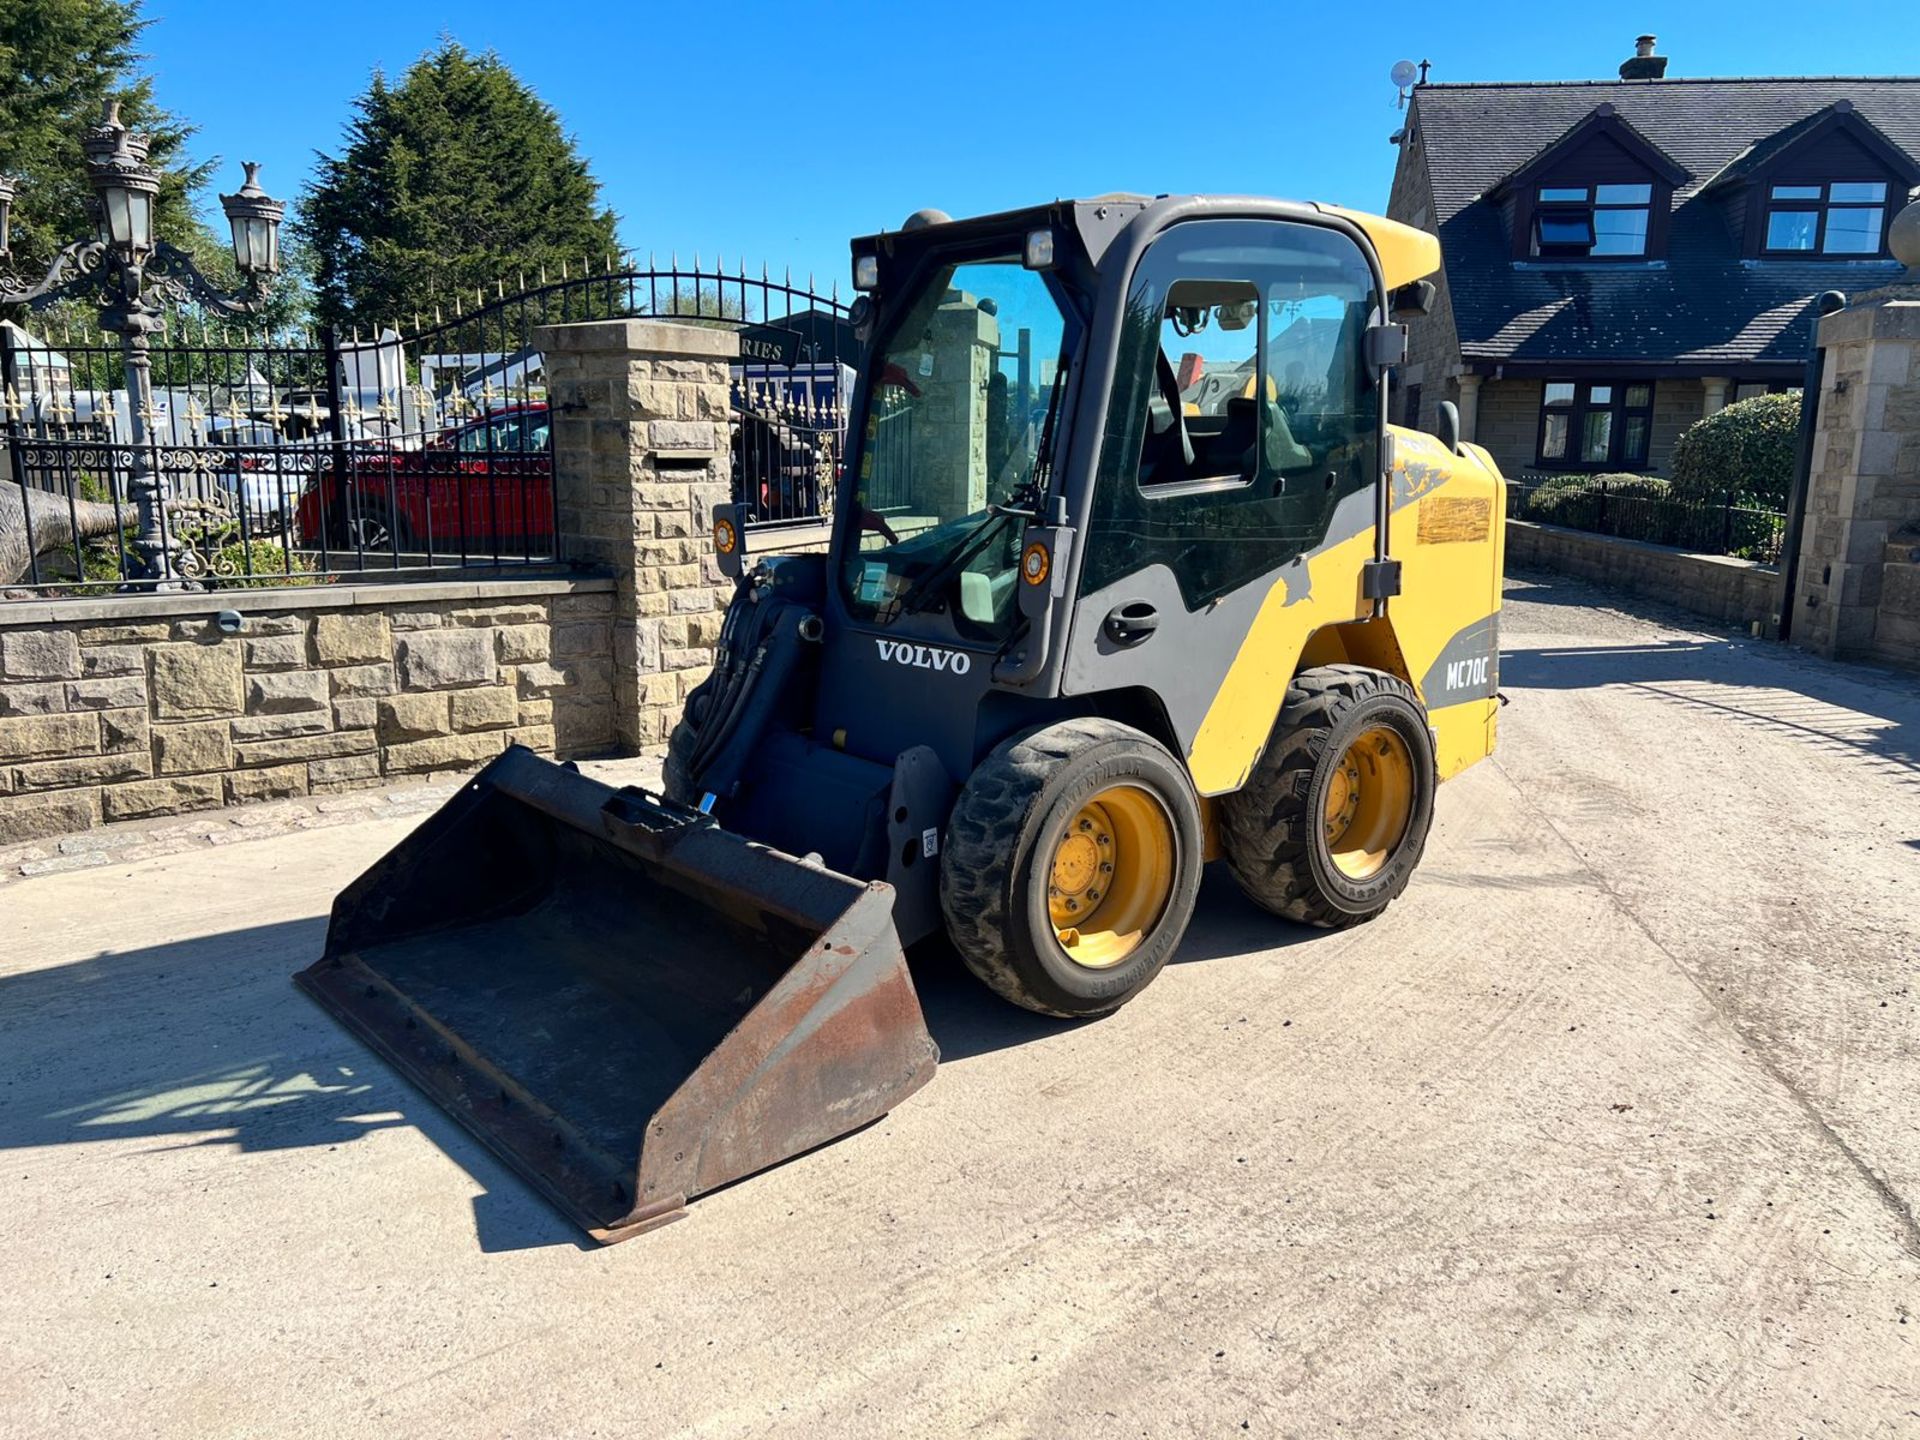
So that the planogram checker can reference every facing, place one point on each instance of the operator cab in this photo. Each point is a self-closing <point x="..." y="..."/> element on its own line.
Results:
<point x="964" y="400"/>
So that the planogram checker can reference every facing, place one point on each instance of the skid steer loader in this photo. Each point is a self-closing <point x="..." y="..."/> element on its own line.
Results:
<point x="1129" y="571"/>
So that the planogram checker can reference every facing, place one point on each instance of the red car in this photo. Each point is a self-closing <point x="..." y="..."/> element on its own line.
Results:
<point x="483" y="487"/>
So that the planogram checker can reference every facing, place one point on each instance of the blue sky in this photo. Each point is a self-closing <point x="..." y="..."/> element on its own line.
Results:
<point x="776" y="131"/>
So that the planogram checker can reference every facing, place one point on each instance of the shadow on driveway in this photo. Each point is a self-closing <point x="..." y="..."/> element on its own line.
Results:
<point x="968" y="1019"/>
<point x="1856" y="712"/>
<point x="207" y="1042"/>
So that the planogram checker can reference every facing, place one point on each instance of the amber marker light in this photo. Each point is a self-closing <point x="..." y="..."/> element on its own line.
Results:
<point x="1035" y="564"/>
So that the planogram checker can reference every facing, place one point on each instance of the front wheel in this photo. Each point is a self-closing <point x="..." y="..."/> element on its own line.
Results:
<point x="1334" y="819"/>
<point x="1071" y="867"/>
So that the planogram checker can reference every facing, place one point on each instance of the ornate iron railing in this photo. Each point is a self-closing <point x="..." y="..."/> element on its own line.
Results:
<point x="295" y="458"/>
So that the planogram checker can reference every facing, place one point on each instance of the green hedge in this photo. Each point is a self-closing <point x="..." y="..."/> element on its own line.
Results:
<point x="1577" y="501"/>
<point x="1645" y="507"/>
<point x="1746" y="450"/>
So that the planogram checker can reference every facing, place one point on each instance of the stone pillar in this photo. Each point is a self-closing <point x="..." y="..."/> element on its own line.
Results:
<point x="640" y="458"/>
<point x="1716" y="397"/>
<point x="954" y="378"/>
<point x="1469" y="405"/>
<point x="1863" y="501"/>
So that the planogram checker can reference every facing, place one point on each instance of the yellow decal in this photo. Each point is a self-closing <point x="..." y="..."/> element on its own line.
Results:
<point x="1447" y="520"/>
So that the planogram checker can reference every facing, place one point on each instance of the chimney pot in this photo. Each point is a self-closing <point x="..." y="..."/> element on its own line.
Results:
<point x="1643" y="64"/>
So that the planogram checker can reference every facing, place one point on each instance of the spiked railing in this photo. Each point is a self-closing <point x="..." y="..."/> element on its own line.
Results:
<point x="412" y="445"/>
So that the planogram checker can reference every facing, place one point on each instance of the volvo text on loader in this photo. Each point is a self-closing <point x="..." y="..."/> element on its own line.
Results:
<point x="1128" y="571"/>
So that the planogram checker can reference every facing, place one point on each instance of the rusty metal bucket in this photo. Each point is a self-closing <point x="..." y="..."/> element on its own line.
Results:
<point x="629" y="1004"/>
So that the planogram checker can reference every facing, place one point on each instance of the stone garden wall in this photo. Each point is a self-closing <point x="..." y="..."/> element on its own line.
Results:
<point x="137" y="706"/>
<point x="1737" y="591"/>
<point x="132" y="706"/>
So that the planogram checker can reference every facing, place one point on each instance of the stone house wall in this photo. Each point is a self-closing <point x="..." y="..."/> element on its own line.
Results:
<point x="1676" y="405"/>
<point x="138" y="706"/>
<point x="1433" y="346"/>
<point x="1510" y="421"/>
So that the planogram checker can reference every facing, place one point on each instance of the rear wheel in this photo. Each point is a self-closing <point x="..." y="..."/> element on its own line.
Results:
<point x="1071" y="865"/>
<point x="370" y="527"/>
<point x="1332" y="823"/>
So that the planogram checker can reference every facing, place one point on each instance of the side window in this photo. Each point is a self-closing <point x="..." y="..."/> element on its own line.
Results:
<point x="1243" y="415"/>
<point x="1209" y="347"/>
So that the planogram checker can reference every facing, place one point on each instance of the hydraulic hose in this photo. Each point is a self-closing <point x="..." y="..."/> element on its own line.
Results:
<point x="710" y="750"/>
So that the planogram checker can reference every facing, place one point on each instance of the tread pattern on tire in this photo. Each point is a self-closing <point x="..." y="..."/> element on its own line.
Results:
<point x="675" y="783"/>
<point x="981" y="852"/>
<point x="1267" y="825"/>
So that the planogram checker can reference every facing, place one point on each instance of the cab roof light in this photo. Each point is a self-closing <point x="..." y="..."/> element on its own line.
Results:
<point x="1039" y="251"/>
<point x="866" y="272"/>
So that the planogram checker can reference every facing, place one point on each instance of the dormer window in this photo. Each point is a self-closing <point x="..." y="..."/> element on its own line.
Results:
<point x="1578" y="222"/>
<point x="1839" y="217"/>
<point x="1600" y="193"/>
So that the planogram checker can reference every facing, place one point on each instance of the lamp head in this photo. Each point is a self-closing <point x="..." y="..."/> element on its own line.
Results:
<point x="254" y="217"/>
<point x="124" y="184"/>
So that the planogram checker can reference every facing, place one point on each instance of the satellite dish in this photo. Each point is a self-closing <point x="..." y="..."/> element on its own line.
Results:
<point x="1404" y="73"/>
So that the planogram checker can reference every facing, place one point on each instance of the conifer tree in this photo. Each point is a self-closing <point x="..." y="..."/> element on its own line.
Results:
<point x="454" y="178"/>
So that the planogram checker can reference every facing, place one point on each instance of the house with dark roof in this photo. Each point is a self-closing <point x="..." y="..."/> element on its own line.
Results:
<point x="1622" y="257"/>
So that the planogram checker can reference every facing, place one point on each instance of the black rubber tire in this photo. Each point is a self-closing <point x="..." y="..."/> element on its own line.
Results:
<point x="1272" y="828"/>
<point x="385" y="532"/>
<point x="1011" y="813"/>
<point x="675" y="783"/>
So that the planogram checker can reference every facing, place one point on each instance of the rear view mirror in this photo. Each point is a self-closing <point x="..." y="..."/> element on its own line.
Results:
<point x="1412" y="301"/>
<point x="1450" y="426"/>
<point x="1236" y="316"/>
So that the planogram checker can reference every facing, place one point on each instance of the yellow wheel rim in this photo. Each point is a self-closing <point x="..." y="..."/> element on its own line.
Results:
<point x="1369" y="802"/>
<point x="1111" y="876"/>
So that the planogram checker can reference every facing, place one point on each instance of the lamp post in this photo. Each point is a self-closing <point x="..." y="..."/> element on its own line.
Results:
<point x="129" y="269"/>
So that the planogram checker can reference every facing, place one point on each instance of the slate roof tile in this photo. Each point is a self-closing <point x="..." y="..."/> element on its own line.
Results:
<point x="1703" y="303"/>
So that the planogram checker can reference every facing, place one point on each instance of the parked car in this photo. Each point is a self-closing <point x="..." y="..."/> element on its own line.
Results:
<point x="258" y="479"/>
<point x="483" y="486"/>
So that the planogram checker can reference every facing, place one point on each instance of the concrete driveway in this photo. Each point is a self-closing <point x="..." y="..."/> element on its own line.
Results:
<point x="1609" y="1127"/>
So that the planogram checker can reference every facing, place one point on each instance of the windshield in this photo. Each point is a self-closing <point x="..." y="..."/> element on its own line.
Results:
<point x="959" y="407"/>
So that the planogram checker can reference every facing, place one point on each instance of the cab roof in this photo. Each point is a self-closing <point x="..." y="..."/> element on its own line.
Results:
<point x="1405" y="254"/>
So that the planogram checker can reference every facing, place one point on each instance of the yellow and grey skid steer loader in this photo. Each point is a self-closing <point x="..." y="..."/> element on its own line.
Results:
<point x="1129" y="571"/>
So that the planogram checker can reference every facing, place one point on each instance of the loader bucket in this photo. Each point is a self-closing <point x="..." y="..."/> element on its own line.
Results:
<point x="626" y="1002"/>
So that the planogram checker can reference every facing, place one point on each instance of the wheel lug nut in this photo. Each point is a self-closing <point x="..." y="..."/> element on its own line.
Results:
<point x="1072" y="904"/>
<point x="1086" y="824"/>
<point x="1093" y="894"/>
<point x="1106" y="867"/>
<point x="1106" y="840"/>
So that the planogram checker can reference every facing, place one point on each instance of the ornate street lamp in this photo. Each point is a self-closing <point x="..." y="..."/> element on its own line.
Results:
<point x="127" y="268"/>
<point x="255" y="221"/>
<point x="124" y="186"/>
<point x="7" y="187"/>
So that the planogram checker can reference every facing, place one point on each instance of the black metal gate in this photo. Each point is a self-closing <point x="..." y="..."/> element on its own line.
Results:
<point x="289" y="458"/>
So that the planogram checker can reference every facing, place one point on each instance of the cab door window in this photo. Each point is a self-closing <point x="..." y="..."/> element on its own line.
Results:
<point x="1243" y="414"/>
